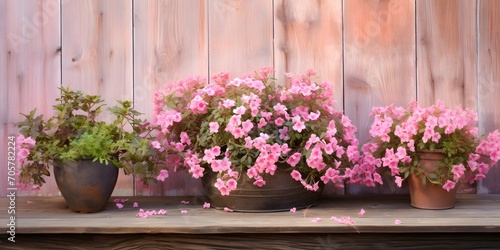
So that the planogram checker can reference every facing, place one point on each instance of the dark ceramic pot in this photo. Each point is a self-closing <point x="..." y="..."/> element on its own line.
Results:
<point x="281" y="193"/>
<point x="85" y="185"/>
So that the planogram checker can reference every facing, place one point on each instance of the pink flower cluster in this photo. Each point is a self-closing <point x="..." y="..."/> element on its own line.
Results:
<point x="252" y="125"/>
<point x="23" y="147"/>
<point x="399" y="134"/>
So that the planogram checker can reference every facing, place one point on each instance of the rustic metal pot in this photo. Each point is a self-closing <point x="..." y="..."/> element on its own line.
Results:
<point x="281" y="193"/>
<point x="86" y="185"/>
<point x="430" y="196"/>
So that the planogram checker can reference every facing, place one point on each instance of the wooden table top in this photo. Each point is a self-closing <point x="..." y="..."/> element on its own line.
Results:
<point x="49" y="215"/>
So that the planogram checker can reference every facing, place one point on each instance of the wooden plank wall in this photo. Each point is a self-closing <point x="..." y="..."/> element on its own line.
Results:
<point x="373" y="53"/>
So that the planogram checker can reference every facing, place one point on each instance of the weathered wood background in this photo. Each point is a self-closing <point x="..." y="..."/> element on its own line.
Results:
<point x="374" y="52"/>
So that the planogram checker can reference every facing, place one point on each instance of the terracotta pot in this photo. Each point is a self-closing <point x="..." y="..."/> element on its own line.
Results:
<point x="281" y="193"/>
<point x="430" y="196"/>
<point x="85" y="185"/>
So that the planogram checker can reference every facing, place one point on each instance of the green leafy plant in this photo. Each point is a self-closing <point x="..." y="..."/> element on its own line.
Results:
<point x="74" y="132"/>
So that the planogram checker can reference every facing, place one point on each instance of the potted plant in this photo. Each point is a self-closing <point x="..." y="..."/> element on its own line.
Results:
<point x="258" y="146"/>
<point x="434" y="147"/>
<point x="84" y="151"/>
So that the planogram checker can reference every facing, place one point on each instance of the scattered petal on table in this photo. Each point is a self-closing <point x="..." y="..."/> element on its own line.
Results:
<point x="361" y="212"/>
<point x="206" y="205"/>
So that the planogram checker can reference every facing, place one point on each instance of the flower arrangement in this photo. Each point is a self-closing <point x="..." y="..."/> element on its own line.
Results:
<point x="399" y="134"/>
<point x="251" y="125"/>
<point x="74" y="132"/>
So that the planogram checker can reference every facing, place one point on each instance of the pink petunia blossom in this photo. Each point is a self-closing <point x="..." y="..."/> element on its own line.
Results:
<point x="296" y="175"/>
<point x="214" y="127"/>
<point x="294" y="159"/>
<point x="449" y="185"/>
<point x="162" y="175"/>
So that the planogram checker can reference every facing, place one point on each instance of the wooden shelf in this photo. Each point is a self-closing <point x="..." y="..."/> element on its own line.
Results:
<point x="46" y="217"/>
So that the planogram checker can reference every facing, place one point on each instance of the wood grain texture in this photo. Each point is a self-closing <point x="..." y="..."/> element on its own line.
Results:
<point x="240" y="36"/>
<point x="170" y="44"/>
<point x="379" y="64"/>
<point x="29" y="68"/>
<point x="49" y="215"/>
<point x="446" y="52"/>
<point x="97" y="54"/>
<point x="308" y="35"/>
<point x="489" y="80"/>
<point x="270" y="241"/>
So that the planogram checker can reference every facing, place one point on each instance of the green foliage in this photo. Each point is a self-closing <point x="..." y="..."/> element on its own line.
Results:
<point x="74" y="132"/>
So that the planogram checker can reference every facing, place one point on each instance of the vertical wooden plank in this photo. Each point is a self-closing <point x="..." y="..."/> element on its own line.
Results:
<point x="446" y="54"/>
<point x="379" y="61"/>
<point x="489" y="81"/>
<point x="240" y="36"/>
<point x="308" y="35"/>
<point x="170" y="43"/>
<point x="97" y="54"/>
<point x="29" y="68"/>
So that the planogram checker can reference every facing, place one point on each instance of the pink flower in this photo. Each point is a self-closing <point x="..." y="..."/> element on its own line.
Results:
<point x="279" y="121"/>
<point x="231" y="184"/>
<point x="314" y="116"/>
<point x="156" y="144"/>
<point x="184" y="211"/>
<point x="119" y="205"/>
<point x="226" y="209"/>
<point x="458" y="171"/>
<point x="298" y="125"/>
<point x="214" y="127"/>
<point x="262" y="123"/>
<point x="163" y="175"/>
<point x="293" y="210"/>
<point x="284" y="134"/>
<point x="228" y="103"/>
<point x="449" y="185"/>
<point x="216" y="150"/>
<point x="135" y="204"/>
<point x="239" y="110"/>
<point x="294" y="159"/>
<point x="198" y="105"/>
<point x="397" y="222"/>
<point x="247" y="126"/>
<point x="185" y="202"/>
<point x="206" y="205"/>
<point x="296" y="175"/>
<point x="399" y="181"/>
<point x="185" y="138"/>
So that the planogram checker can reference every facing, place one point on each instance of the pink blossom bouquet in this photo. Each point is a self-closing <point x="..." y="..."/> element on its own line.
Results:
<point x="399" y="134"/>
<point x="252" y="126"/>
